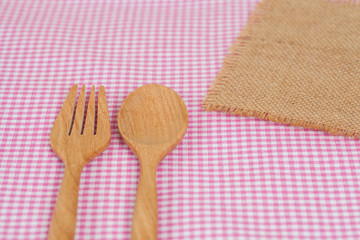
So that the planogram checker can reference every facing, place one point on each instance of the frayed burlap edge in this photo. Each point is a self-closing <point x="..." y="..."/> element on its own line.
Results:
<point x="228" y="63"/>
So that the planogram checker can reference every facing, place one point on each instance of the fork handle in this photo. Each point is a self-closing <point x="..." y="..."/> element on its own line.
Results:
<point x="145" y="219"/>
<point x="63" y="220"/>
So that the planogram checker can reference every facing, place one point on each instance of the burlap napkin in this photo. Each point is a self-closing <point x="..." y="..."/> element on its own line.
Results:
<point x="297" y="62"/>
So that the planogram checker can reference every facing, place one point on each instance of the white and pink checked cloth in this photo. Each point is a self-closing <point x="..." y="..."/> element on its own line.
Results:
<point x="230" y="178"/>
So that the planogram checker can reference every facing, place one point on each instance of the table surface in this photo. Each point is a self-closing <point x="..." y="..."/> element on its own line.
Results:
<point x="230" y="178"/>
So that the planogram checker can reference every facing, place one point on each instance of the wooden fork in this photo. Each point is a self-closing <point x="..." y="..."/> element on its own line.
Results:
<point x="76" y="149"/>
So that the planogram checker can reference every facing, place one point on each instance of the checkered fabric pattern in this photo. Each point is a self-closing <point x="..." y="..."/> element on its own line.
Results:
<point x="230" y="177"/>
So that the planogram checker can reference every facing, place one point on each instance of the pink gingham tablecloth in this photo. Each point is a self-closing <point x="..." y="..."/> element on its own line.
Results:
<point x="230" y="178"/>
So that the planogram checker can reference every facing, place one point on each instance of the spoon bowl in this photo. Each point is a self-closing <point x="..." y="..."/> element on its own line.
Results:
<point x="152" y="121"/>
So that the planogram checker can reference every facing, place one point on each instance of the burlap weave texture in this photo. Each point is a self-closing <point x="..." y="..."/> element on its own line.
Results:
<point x="296" y="62"/>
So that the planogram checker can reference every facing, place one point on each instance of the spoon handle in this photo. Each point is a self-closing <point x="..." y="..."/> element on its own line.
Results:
<point x="146" y="213"/>
<point x="63" y="220"/>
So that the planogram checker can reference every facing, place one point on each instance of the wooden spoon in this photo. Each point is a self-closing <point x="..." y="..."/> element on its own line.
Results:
<point x="152" y="121"/>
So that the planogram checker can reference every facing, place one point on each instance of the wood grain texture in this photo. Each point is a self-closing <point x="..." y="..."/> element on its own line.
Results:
<point x="76" y="148"/>
<point x="152" y="120"/>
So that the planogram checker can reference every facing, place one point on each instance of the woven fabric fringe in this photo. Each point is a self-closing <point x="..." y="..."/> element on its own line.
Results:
<point x="297" y="62"/>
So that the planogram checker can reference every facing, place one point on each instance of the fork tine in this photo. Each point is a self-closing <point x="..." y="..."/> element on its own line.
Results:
<point x="79" y="114"/>
<point x="90" y="115"/>
<point x="103" y="121"/>
<point x="63" y="120"/>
